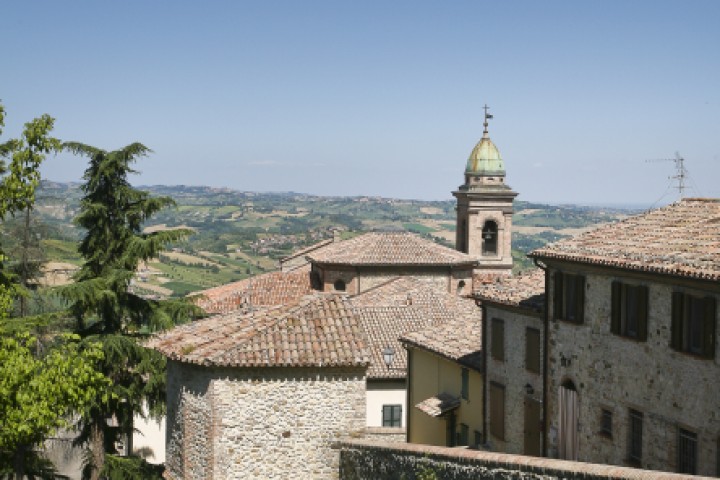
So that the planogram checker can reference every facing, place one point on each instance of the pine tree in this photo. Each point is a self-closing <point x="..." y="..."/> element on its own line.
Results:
<point x="113" y="213"/>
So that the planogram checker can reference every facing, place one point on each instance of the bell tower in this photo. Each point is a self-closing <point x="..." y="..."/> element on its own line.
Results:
<point x="485" y="208"/>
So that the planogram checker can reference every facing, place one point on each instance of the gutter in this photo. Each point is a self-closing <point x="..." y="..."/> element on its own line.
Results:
<point x="546" y="342"/>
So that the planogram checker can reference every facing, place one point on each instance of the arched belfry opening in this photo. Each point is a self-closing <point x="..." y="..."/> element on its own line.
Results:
<point x="490" y="238"/>
<point x="485" y="208"/>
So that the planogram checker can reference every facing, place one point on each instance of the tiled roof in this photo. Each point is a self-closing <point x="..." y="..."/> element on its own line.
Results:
<point x="273" y="288"/>
<point x="405" y="305"/>
<point x="525" y="290"/>
<point x="383" y="327"/>
<point x="390" y="248"/>
<point x="680" y="239"/>
<point x="306" y="250"/>
<point x="439" y="404"/>
<point x="458" y="338"/>
<point x="320" y="330"/>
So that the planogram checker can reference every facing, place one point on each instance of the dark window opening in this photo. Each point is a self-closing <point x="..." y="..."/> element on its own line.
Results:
<point x="606" y="423"/>
<point x="392" y="416"/>
<point x="635" y="431"/>
<point x="693" y="324"/>
<point x="463" y="436"/>
<point x="339" y="285"/>
<point x="629" y="310"/>
<point x="477" y="441"/>
<point x="497" y="410"/>
<point x="569" y="297"/>
<point x="490" y="238"/>
<point x="687" y="452"/>
<point x="497" y="339"/>
<point x="532" y="350"/>
<point x="463" y="237"/>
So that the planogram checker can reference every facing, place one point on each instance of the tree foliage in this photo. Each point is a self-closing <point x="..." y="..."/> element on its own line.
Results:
<point x="38" y="394"/>
<point x="113" y="213"/>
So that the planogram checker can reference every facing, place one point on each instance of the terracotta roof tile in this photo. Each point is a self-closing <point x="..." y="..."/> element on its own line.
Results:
<point x="525" y="290"/>
<point x="439" y="404"/>
<point x="317" y="331"/>
<point x="455" y="334"/>
<point x="680" y="239"/>
<point x="273" y="288"/>
<point x="390" y="248"/>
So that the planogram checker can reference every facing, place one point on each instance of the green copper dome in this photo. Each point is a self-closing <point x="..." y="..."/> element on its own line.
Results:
<point x="485" y="159"/>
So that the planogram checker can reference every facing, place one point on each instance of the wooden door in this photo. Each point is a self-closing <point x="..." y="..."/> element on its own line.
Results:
<point x="533" y="417"/>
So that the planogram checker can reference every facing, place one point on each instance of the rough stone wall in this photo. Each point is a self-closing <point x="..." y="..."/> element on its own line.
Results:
<point x="513" y="374"/>
<point x="362" y="460"/>
<point x="670" y="388"/>
<point x="263" y="423"/>
<point x="386" y="434"/>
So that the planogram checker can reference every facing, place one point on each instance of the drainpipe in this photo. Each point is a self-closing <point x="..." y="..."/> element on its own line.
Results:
<point x="483" y="348"/>
<point x="546" y="342"/>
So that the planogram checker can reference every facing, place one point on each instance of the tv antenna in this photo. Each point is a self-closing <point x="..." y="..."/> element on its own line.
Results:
<point x="681" y="172"/>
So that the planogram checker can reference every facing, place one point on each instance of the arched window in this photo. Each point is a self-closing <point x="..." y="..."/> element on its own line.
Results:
<point x="339" y="285"/>
<point x="489" y="236"/>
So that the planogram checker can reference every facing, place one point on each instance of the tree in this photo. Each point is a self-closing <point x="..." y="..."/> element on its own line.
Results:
<point x="33" y="403"/>
<point x="20" y="179"/>
<point x="102" y="300"/>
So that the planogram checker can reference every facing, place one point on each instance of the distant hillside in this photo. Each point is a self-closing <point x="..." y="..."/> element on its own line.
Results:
<point x="243" y="233"/>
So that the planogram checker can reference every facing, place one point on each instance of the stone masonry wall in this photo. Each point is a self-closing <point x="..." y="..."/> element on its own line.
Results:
<point x="363" y="460"/>
<point x="265" y="423"/>
<point x="671" y="389"/>
<point x="512" y="373"/>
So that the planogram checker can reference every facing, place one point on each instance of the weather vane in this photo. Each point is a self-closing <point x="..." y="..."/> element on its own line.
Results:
<point x="487" y="117"/>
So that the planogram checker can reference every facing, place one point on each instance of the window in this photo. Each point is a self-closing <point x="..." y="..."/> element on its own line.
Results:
<point x="497" y="339"/>
<point x="693" y="324"/>
<point x="339" y="285"/>
<point x="635" y="437"/>
<point x="392" y="416"/>
<point x="687" y="452"/>
<point x="465" y="385"/>
<point x="463" y="435"/>
<point x="629" y="310"/>
<point x="569" y="300"/>
<point x="489" y="238"/>
<point x="532" y="350"/>
<point x="606" y="423"/>
<point x="497" y="410"/>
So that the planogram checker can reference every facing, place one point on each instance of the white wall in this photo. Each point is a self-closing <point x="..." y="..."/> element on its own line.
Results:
<point x="381" y="393"/>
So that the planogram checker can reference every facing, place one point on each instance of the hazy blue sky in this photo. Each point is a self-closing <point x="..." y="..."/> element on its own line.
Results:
<point x="377" y="97"/>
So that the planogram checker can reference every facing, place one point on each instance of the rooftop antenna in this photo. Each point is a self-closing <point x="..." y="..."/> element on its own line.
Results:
<point x="680" y="172"/>
<point x="485" y="123"/>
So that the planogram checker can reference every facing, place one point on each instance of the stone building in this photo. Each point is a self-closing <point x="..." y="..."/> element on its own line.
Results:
<point x="633" y="363"/>
<point x="264" y="394"/>
<point x="513" y="333"/>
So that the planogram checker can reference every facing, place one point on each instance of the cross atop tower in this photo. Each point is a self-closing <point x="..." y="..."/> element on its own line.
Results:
<point x="485" y="123"/>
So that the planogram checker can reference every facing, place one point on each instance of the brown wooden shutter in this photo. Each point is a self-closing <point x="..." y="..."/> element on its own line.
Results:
<point x="616" y="303"/>
<point x="558" y="295"/>
<point x="497" y="410"/>
<point x="498" y="339"/>
<point x="709" y="328"/>
<point x="676" y="321"/>
<point x="642" y="312"/>
<point x="580" y="299"/>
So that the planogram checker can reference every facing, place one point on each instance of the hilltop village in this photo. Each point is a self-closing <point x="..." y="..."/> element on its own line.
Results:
<point x="387" y="355"/>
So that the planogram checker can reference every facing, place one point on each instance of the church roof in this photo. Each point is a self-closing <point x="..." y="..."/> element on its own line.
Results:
<point x="680" y="239"/>
<point x="485" y="159"/>
<point x="320" y="330"/>
<point x="390" y="248"/>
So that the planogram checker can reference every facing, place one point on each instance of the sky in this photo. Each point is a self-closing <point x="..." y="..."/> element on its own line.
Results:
<point x="377" y="98"/>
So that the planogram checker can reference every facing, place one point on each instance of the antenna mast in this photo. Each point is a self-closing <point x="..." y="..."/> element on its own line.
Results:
<point x="680" y="172"/>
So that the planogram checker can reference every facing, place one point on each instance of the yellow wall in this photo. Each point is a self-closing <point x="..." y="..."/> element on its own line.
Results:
<point x="429" y="375"/>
